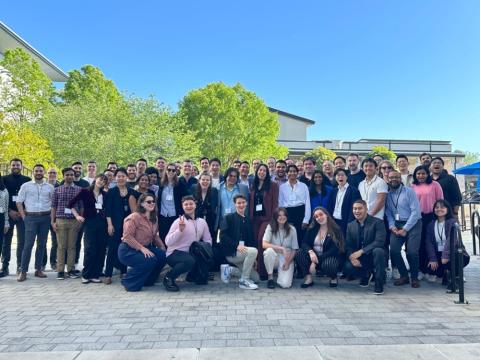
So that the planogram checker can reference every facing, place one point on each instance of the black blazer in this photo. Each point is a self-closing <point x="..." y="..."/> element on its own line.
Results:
<point x="115" y="205"/>
<point x="179" y="191"/>
<point x="374" y="235"/>
<point x="351" y="196"/>
<point x="230" y="233"/>
<point x="330" y="249"/>
<point x="208" y="208"/>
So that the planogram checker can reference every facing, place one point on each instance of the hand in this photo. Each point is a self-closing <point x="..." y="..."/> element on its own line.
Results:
<point x="445" y="261"/>
<point x="433" y="265"/>
<point x="356" y="254"/>
<point x="5" y="229"/>
<point x="146" y="252"/>
<point x="80" y="219"/>
<point x="242" y="249"/>
<point x="313" y="257"/>
<point x="356" y="263"/>
<point x="402" y="232"/>
<point x="394" y="230"/>
<point x="22" y="215"/>
<point x="15" y="215"/>
<point x="181" y="223"/>
<point x="54" y="226"/>
<point x="304" y="226"/>
<point x="110" y="230"/>
<point x="285" y="266"/>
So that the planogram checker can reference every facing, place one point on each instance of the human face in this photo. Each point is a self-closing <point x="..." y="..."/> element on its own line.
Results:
<point x="132" y="173"/>
<point x="141" y="166"/>
<point x="214" y="167"/>
<point x="422" y="176"/>
<point x="78" y="170"/>
<point x="402" y="164"/>
<point x="205" y="181"/>
<point x="187" y="168"/>
<point x="153" y="178"/>
<point x="327" y="167"/>
<point x="290" y="162"/>
<point x="262" y="172"/>
<point x="339" y="164"/>
<point x="394" y="179"/>
<point x="38" y="173"/>
<point x="160" y="164"/>
<point x="359" y="211"/>
<point x="244" y="169"/>
<point x="385" y="168"/>
<point x="149" y="203"/>
<point x="69" y="176"/>
<point x="341" y="178"/>
<point x="426" y="160"/>
<point x="171" y="172"/>
<point x="271" y="163"/>
<point x="320" y="217"/>
<point x="436" y="167"/>
<point x="292" y="174"/>
<point x="144" y="182"/>
<point x="112" y="167"/>
<point x="309" y="166"/>
<point x="92" y="168"/>
<point x="377" y="159"/>
<point x="204" y="164"/>
<point x="240" y="205"/>
<point x="16" y="167"/>
<point x="236" y="165"/>
<point x="353" y="163"/>
<point x="189" y="207"/>
<point x="52" y="174"/>
<point x="109" y="175"/>
<point x="99" y="183"/>
<point x="299" y="165"/>
<point x="255" y="164"/>
<point x="369" y="169"/>
<point x="282" y="218"/>
<point x="280" y="169"/>
<point x="121" y="179"/>
<point x="232" y="178"/>
<point x="318" y="179"/>
<point x="440" y="210"/>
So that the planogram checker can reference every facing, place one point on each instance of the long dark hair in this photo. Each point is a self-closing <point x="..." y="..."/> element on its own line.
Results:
<point x="2" y="184"/>
<point x="446" y="204"/>
<point x="428" y="180"/>
<point x="266" y="182"/>
<point x="274" y="222"/>
<point x="313" y="187"/>
<point x="332" y="228"/>
<point x="198" y="190"/>
<point x="103" y="177"/>
<point x="142" y="210"/>
<point x="164" y="181"/>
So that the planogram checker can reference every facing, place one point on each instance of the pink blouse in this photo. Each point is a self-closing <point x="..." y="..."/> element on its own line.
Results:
<point x="427" y="194"/>
<point x="140" y="232"/>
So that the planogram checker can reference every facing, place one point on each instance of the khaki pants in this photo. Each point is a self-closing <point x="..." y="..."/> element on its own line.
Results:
<point x="245" y="262"/>
<point x="272" y="261"/>
<point x="66" y="237"/>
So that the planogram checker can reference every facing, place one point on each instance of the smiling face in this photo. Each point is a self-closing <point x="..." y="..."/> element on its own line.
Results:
<point x="440" y="210"/>
<point x="204" y="164"/>
<point x="280" y="169"/>
<point x="244" y="169"/>
<point x="282" y="217"/>
<point x="422" y="176"/>
<point x="240" y="205"/>
<point x="100" y="183"/>
<point x="38" y="173"/>
<point x="292" y="173"/>
<point x="189" y="207"/>
<point x="327" y="167"/>
<point x="232" y="178"/>
<point x="320" y="217"/>
<point x="318" y="179"/>
<point x="308" y="166"/>
<point x="160" y="164"/>
<point x="339" y="164"/>
<point x="16" y="167"/>
<point x="143" y="182"/>
<point x="149" y="203"/>
<point x="402" y="164"/>
<point x="359" y="211"/>
<point x="205" y="181"/>
<point x="121" y="178"/>
<point x="132" y="173"/>
<point x="353" y="162"/>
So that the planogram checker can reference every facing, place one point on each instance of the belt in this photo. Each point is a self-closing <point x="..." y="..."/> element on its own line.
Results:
<point x="39" y="213"/>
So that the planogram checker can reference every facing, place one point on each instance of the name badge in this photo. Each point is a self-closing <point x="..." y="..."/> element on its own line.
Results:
<point x="98" y="206"/>
<point x="14" y="198"/>
<point x="2" y="210"/>
<point x="292" y="197"/>
<point x="241" y="243"/>
<point x="440" y="248"/>
<point x="228" y="211"/>
<point x="259" y="207"/>
<point x="397" y="217"/>
<point x="68" y="211"/>
<point x="169" y="197"/>
<point x="125" y="208"/>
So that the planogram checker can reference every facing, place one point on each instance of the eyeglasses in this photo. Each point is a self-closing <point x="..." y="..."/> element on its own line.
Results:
<point x="386" y="168"/>
<point x="52" y="172"/>
<point x="171" y="170"/>
<point x="150" y="202"/>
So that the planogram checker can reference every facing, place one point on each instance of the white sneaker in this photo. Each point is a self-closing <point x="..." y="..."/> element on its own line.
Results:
<point x="431" y="278"/>
<point x="225" y="272"/>
<point x="247" y="284"/>
<point x="395" y="274"/>
<point x="420" y="275"/>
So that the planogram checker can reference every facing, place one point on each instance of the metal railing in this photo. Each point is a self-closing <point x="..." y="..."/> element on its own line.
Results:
<point x="475" y="230"/>
<point x="457" y="251"/>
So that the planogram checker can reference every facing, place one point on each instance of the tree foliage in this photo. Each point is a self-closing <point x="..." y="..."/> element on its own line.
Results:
<point x="383" y="151"/>
<point x="321" y="154"/>
<point x="231" y="123"/>
<point x="25" y="90"/>
<point x="471" y="157"/>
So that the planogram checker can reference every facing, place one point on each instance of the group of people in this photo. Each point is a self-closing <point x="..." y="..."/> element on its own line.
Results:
<point x="348" y="219"/>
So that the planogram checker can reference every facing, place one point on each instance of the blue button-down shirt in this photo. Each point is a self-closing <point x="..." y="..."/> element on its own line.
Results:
<point x="403" y="201"/>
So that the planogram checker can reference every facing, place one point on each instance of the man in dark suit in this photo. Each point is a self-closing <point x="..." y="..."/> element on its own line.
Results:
<point x="364" y="248"/>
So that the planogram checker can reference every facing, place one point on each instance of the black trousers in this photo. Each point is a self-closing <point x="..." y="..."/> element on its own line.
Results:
<point x="295" y="217"/>
<point x="182" y="262"/>
<point x="95" y="246"/>
<point x="371" y="263"/>
<point x="78" y="247"/>
<point x="422" y="251"/>
<point x="112" y="253"/>
<point x="164" y="224"/>
<point x="7" y="242"/>
<point x="328" y="266"/>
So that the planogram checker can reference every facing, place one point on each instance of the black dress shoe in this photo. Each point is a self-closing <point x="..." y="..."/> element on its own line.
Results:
<point x="304" y="285"/>
<point x="271" y="284"/>
<point x="170" y="284"/>
<point x="2" y="274"/>
<point x="333" y="283"/>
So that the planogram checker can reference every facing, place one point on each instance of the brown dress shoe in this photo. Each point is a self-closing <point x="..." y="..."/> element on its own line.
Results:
<point x="107" y="281"/>
<point x="40" y="274"/>
<point x="415" y="283"/>
<point x="401" y="281"/>
<point x="22" y="277"/>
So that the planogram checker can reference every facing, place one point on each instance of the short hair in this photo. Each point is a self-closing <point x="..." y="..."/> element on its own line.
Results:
<point x="292" y="167"/>
<point x="352" y="154"/>
<point x="160" y="158"/>
<point x="377" y="154"/>
<point x="16" y="160"/>
<point x="339" y="170"/>
<point x="187" y="161"/>
<point x="439" y="159"/>
<point x="204" y="158"/>
<point x="369" y="160"/>
<point x="77" y="163"/>
<point x="281" y="162"/>
<point x="216" y="160"/>
<point x="131" y="166"/>
<point x="92" y="162"/>
<point x="245" y="162"/>
<point x="423" y="154"/>
<point x="39" y="165"/>
<point x="111" y="163"/>
<point x="121" y="170"/>
<point x="239" y="196"/>
<point x="401" y="156"/>
<point x="188" y="198"/>
<point x="360" y="201"/>
<point x="310" y="158"/>
<point x="237" y="162"/>
<point x="142" y="159"/>
<point x="151" y="170"/>
<point x="341" y="158"/>
<point x="64" y="170"/>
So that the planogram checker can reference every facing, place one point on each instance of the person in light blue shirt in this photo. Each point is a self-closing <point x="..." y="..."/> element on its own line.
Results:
<point x="228" y="189"/>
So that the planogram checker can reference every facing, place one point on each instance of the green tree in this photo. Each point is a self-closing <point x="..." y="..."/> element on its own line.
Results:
<point x="471" y="157"/>
<point x="321" y="154"/>
<point x="231" y="123"/>
<point x="26" y="91"/>
<point x="383" y="151"/>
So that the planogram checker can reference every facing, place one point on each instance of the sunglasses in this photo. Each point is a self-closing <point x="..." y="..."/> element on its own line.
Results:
<point x="171" y="170"/>
<point x="386" y="168"/>
<point x="149" y="202"/>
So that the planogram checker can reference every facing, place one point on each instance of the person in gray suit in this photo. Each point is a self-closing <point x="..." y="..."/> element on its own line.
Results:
<point x="364" y="248"/>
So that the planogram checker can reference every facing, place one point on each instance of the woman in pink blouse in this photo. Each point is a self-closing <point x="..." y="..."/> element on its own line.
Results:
<point x="141" y="248"/>
<point x="428" y="192"/>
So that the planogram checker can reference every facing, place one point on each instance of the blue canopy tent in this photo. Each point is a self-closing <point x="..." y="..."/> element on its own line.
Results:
<point x="472" y="169"/>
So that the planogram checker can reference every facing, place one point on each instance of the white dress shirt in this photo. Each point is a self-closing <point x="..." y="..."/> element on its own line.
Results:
<point x="36" y="197"/>
<point x="337" y="212"/>
<point x="296" y="195"/>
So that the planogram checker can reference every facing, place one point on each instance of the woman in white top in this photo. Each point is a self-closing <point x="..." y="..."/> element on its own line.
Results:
<point x="4" y="224"/>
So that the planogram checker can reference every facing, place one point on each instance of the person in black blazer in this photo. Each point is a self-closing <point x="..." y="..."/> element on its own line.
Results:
<point x="342" y="199"/>
<point x="364" y="248"/>
<point x="322" y="249"/>
<point x="206" y="198"/>
<point x="169" y="201"/>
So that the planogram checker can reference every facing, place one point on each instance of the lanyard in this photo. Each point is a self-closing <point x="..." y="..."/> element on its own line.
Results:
<point x="441" y="231"/>
<point x="395" y="204"/>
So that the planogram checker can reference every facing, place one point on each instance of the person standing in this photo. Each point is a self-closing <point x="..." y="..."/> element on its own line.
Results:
<point x="204" y="165"/>
<point x="373" y="189"/>
<point x="320" y="190"/>
<point x="425" y="159"/>
<point x="131" y="175"/>
<point x="228" y="189"/>
<point x="13" y="182"/>
<point x="64" y="224"/>
<point x="340" y="163"/>
<point x="141" y="166"/>
<point x="309" y="164"/>
<point x="449" y="184"/>
<point x="295" y="197"/>
<point x="79" y="181"/>
<point x="52" y="180"/>
<point x="187" y="180"/>
<point x="206" y="198"/>
<point x="355" y="174"/>
<point x="271" y="165"/>
<point x="329" y="171"/>
<point x="217" y="178"/>
<point x="402" y="165"/>
<point x="160" y="164"/>
<point x="34" y="203"/>
<point x="280" y="176"/>
<point x="91" y="172"/>
<point x="245" y="177"/>
<point x="4" y="224"/>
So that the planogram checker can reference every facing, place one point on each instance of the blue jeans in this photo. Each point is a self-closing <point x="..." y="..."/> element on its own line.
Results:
<point x="36" y="228"/>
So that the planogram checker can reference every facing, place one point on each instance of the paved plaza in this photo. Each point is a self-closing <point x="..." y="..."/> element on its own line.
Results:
<point x="43" y="315"/>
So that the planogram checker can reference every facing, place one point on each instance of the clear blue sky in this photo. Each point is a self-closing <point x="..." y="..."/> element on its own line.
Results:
<point x="405" y="69"/>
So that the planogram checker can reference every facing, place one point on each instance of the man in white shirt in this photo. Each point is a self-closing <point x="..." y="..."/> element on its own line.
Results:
<point x="91" y="171"/>
<point x="373" y="189"/>
<point x="295" y="197"/>
<point x="34" y="203"/>
<point x="402" y="165"/>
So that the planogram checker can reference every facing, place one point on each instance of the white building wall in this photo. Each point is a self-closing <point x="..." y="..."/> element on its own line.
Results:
<point x="292" y="129"/>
